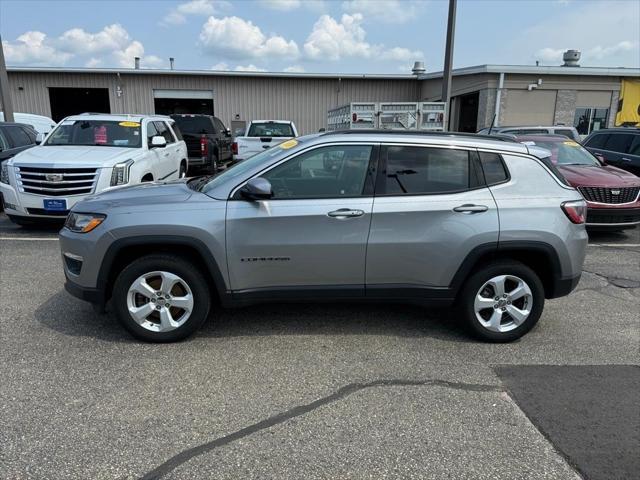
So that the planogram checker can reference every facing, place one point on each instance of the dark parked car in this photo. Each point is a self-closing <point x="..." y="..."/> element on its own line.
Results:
<point x="612" y="194"/>
<point x="208" y="141"/>
<point x="616" y="146"/>
<point x="14" y="138"/>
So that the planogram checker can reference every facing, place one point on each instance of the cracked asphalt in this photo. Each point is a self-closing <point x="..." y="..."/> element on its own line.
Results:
<point x="309" y="391"/>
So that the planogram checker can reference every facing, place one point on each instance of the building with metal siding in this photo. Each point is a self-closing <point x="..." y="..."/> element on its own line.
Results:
<point x="526" y="95"/>
<point x="237" y="96"/>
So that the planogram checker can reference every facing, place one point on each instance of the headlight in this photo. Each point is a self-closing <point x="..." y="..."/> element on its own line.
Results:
<point x="83" y="222"/>
<point x="120" y="174"/>
<point x="4" y="173"/>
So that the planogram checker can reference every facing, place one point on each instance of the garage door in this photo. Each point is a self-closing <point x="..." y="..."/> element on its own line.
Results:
<point x="167" y="102"/>
<point x="530" y="108"/>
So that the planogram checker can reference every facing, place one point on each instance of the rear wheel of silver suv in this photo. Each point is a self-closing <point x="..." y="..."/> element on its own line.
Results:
<point x="502" y="301"/>
<point x="161" y="298"/>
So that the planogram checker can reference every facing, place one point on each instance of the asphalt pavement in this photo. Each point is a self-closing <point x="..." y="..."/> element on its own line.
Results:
<point x="314" y="391"/>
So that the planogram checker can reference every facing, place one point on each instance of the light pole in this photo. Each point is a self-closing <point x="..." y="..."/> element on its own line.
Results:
<point x="448" y="59"/>
<point x="5" y="95"/>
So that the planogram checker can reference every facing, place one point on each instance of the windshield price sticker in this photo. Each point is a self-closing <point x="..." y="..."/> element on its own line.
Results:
<point x="129" y="124"/>
<point x="571" y="143"/>
<point x="288" y="144"/>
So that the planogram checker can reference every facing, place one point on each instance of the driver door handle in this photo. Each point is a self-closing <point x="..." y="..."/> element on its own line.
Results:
<point x="345" y="213"/>
<point x="469" y="208"/>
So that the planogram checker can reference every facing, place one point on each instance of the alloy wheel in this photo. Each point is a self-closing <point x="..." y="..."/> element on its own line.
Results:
<point x="503" y="303"/>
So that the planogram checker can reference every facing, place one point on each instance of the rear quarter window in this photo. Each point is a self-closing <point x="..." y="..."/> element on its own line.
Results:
<point x="494" y="168"/>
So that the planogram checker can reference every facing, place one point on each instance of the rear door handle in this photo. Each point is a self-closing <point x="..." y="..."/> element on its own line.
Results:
<point x="469" y="208"/>
<point x="625" y="159"/>
<point x="345" y="213"/>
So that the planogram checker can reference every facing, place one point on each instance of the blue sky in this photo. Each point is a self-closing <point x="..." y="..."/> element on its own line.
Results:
<point x="368" y="36"/>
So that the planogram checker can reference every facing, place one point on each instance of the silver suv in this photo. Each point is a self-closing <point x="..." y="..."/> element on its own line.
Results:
<point x="436" y="219"/>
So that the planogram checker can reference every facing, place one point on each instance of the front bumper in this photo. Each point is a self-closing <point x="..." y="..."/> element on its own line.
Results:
<point x="613" y="217"/>
<point x="32" y="206"/>
<point x="92" y="295"/>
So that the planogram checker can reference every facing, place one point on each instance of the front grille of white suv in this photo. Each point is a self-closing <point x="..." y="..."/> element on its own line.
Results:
<point x="56" y="182"/>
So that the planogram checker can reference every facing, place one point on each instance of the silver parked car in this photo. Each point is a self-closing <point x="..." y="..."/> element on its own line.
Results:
<point x="436" y="219"/>
<point x="569" y="132"/>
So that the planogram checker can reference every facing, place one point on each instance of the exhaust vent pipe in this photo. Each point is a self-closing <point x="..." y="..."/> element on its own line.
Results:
<point x="136" y="63"/>
<point x="571" y="58"/>
<point x="171" y="62"/>
<point x="418" y="68"/>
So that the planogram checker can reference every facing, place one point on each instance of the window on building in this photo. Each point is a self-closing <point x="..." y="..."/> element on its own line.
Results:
<point x="588" y="119"/>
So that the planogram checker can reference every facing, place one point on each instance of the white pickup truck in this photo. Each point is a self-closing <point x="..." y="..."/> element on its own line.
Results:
<point x="263" y="134"/>
<point x="84" y="155"/>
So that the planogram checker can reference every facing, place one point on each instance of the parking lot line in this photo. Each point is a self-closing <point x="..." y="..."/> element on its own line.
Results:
<point x="37" y="239"/>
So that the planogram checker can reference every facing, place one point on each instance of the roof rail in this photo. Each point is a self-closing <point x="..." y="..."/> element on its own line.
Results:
<point x="501" y="138"/>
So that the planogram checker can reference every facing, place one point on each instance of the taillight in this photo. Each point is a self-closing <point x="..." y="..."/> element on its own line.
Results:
<point x="234" y="148"/>
<point x="204" y="146"/>
<point x="576" y="211"/>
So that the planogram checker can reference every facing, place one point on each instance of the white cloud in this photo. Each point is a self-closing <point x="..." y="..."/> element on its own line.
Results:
<point x="80" y="42"/>
<point x="289" y="5"/>
<point x="249" y="68"/>
<point x="111" y="45"/>
<point x="220" y="66"/>
<point x="33" y="48"/>
<point x="385" y="11"/>
<point x="234" y="37"/>
<point x="204" y="8"/>
<point x="333" y="40"/>
<point x="617" y="25"/>
<point x="295" y="69"/>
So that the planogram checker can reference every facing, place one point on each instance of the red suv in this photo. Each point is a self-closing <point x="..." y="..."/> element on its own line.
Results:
<point x="612" y="194"/>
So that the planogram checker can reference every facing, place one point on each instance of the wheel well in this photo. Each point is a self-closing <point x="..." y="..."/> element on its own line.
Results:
<point x="537" y="260"/>
<point x="147" y="178"/>
<point x="128" y="254"/>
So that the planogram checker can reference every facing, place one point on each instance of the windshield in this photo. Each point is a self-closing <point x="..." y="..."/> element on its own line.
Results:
<point x="568" y="153"/>
<point x="191" y="124"/>
<point x="104" y="133"/>
<point x="270" y="129"/>
<point x="240" y="168"/>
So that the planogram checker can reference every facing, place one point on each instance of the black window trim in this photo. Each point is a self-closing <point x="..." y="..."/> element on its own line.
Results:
<point x="381" y="180"/>
<point x="368" y="190"/>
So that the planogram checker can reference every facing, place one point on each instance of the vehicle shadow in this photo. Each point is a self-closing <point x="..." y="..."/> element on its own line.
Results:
<point x="72" y="317"/>
<point x="631" y="235"/>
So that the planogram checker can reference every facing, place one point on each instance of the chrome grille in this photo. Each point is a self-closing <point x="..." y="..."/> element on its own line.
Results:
<point x="610" y="195"/>
<point x="55" y="182"/>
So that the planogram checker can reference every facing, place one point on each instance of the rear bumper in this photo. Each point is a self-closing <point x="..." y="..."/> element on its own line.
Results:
<point x="564" y="286"/>
<point x="613" y="217"/>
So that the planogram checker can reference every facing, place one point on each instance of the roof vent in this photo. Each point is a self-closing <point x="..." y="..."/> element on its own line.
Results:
<point x="136" y="63"/>
<point x="418" y="68"/>
<point x="571" y="58"/>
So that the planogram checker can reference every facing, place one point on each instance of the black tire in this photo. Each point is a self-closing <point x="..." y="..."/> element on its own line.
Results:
<point x="466" y="300"/>
<point x="183" y="170"/>
<point x="175" y="265"/>
<point x="213" y="164"/>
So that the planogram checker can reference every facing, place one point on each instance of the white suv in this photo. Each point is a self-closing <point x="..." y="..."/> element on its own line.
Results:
<point x="87" y="154"/>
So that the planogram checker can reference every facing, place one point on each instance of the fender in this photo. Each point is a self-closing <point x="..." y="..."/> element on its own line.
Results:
<point x="117" y="246"/>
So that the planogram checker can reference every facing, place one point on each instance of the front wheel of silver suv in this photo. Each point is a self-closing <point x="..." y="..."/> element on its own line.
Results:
<point x="501" y="301"/>
<point x="161" y="298"/>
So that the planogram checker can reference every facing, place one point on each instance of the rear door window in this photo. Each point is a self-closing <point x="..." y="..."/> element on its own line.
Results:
<point x="411" y="170"/>
<point x="176" y="130"/>
<point x="634" y="149"/>
<point x="618" y="142"/>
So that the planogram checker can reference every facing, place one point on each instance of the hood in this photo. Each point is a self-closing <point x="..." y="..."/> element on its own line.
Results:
<point x="142" y="195"/>
<point x="74" y="156"/>
<point x="598" y="176"/>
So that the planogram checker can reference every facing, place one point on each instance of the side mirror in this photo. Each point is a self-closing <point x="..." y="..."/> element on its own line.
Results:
<point x="39" y="138"/>
<point x="601" y="158"/>
<point x="158" y="142"/>
<point x="257" y="189"/>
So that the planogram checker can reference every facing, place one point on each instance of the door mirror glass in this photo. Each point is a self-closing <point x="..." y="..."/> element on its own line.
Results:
<point x="39" y="138"/>
<point x="158" y="142"/>
<point x="257" y="189"/>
